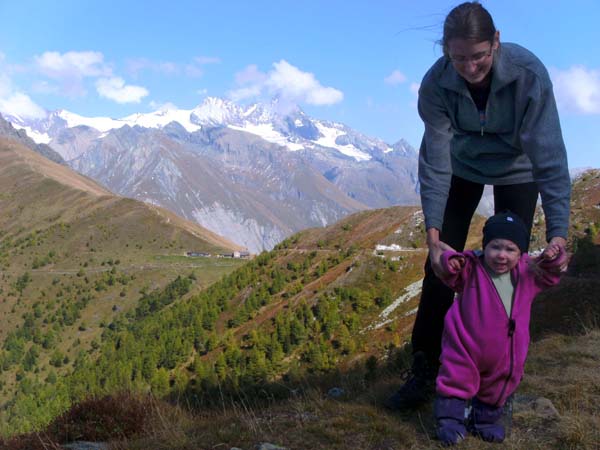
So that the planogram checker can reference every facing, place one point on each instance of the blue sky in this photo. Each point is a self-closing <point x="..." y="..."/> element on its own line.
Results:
<point x="355" y="62"/>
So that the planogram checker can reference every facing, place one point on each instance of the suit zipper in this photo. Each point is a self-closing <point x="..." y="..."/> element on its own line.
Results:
<point x="512" y="325"/>
<point x="511" y="331"/>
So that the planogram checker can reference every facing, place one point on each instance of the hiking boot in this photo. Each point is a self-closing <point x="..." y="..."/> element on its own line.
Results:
<point x="450" y="419"/>
<point x="418" y="388"/>
<point x="486" y="421"/>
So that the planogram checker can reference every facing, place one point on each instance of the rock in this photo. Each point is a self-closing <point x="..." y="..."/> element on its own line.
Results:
<point x="336" y="392"/>
<point x="543" y="407"/>
<point x="522" y="403"/>
<point x="84" y="445"/>
<point x="539" y="406"/>
<point x="267" y="446"/>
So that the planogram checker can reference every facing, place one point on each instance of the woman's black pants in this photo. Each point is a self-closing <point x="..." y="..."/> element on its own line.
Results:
<point x="436" y="298"/>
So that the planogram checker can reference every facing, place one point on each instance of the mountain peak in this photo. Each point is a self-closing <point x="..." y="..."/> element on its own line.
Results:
<point x="215" y="111"/>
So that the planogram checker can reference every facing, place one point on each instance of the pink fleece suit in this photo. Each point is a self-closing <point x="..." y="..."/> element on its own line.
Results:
<point x="483" y="349"/>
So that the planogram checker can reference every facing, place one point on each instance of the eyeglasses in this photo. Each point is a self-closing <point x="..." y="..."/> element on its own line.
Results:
<point x="476" y="58"/>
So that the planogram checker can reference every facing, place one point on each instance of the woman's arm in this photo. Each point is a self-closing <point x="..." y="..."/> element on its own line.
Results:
<point x="542" y="141"/>
<point x="435" y="170"/>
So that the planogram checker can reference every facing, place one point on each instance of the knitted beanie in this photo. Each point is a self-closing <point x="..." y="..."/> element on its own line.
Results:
<point x="506" y="225"/>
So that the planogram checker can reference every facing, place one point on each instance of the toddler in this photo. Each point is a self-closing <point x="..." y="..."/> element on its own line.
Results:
<point x="486" y="330"/>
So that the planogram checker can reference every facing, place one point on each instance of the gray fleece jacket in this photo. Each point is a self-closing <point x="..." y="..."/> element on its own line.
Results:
<point x="518" y="141"/>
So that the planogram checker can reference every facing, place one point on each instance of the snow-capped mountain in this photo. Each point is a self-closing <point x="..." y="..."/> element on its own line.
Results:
<point x="295" y="130"/>
<point x="253" y="174"/>
<point x="21" y="136"/>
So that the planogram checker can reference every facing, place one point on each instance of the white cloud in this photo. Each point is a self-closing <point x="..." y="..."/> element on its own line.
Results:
<point x="577" y="89"/>
<point x="72" y="64"/>
<point x="16" y="103"/>
<point x="115" y="89"/>
<point x="395" y="78"/>
<point x="287" y="82"/>
<point x="21" y="105"/>
<point x="202" y="91"/>
<point x="414" y="88"/>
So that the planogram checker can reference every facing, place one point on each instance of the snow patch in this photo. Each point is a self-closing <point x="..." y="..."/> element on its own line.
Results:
<point x="411" y="312"/>
<point x="161" y="118"/>
<point x="269" y="134"/>
<point x="328" y="140"/>
<point x="102" y="124"/>
<point x="410" y="291"/>
<point x="156" y="119"/>
<point x="38" y="138"/>
<point x="391" y="248"/>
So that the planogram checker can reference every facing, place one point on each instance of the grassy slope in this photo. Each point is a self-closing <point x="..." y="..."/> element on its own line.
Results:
<point x="564" y="329"/>
<point x="562" y="367"/>
<point x="67" y="234"/>
<point x="357" y="265"/>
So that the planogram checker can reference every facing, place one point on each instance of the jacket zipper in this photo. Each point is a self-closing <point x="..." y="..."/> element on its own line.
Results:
<point x="482" y="119"/>
<point x="482" y="112"/>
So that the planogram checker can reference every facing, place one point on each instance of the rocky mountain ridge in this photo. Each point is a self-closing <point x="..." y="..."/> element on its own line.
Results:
<point x="253" y="174"/>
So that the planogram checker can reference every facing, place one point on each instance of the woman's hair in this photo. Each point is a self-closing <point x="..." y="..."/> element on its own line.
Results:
<point x="469" y="21"/>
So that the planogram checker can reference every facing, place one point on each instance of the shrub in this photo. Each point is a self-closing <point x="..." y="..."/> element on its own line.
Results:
<point x="116" y="416"/>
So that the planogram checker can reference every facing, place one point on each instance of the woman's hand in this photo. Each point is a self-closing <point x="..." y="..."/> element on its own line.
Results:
<point x="553" y="249"/>
<point x="436" y="248"/>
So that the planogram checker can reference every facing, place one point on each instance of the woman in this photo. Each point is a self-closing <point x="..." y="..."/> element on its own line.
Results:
<point x="490" y="119"/>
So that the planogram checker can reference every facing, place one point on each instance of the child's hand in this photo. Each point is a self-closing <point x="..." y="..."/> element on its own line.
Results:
<point x="456" y="263"/>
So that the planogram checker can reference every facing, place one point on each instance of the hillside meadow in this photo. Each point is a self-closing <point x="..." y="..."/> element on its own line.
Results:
<point x="208" y="359"/>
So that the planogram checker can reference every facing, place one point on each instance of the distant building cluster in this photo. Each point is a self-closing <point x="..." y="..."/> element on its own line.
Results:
<point x="242" y="255"/>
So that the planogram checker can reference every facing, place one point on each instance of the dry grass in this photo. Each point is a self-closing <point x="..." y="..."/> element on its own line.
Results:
<point x="561" y="368"/>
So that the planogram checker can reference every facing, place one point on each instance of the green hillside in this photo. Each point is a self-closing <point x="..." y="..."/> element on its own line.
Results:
<point x="310" y="306"/>
<point x="73" y="258"/>
<point x="255" y="351"/>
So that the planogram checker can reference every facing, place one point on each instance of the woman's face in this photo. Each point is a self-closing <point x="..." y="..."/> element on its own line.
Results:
<point x="472" y="60"/>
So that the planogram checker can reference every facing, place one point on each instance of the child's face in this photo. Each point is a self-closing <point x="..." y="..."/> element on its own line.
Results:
<point x="501" y="255"/>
